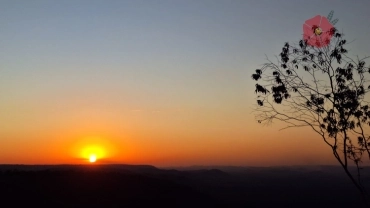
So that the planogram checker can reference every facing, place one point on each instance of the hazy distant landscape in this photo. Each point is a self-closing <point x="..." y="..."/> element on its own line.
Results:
<point x="144" y="185"/>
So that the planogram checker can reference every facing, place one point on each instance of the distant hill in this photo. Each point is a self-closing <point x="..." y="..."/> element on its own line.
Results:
<point x="148" y="186"/>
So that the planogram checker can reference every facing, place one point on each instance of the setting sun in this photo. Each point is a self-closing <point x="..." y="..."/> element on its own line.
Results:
<point x="92" y="148"/>
<point x="92" y="158"/>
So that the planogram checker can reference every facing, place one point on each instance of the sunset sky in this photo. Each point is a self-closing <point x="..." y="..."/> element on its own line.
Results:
<point x="165" y="83"/>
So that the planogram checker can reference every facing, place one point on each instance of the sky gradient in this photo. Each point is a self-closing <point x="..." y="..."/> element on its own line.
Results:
<point x="165" y="83"/>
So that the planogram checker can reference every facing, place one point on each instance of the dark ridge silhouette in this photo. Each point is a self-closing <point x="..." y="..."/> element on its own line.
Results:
<point x="148" y="186"/>
<point x="94" y="186"/>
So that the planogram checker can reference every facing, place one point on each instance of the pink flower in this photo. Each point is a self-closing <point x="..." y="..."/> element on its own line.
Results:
<point x="318" y="31"/>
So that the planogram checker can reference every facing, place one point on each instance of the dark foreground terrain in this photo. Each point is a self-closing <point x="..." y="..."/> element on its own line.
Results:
<point x="147" y="186"/>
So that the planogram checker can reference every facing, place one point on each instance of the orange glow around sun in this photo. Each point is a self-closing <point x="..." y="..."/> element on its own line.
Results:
<point x="93" y="152"/>
<point x="91" y="149"/>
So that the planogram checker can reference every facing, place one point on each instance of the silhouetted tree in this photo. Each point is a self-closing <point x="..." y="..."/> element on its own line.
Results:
<point x="322" y="88"/>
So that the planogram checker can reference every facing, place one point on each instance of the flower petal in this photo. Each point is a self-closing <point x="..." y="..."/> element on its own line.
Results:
<point x="325" y="24"/>
<point x="325" y="39"/>
<point x="307" y="32"/>
<point x="315" y="41"/>
<point x="311" y="40"/>
<point x="314" y="21"/>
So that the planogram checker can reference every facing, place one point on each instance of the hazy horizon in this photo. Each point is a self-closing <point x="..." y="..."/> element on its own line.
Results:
<point x="163" y="83"/>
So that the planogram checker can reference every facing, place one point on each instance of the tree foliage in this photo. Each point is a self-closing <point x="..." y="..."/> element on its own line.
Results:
<point x="324" y="89"/>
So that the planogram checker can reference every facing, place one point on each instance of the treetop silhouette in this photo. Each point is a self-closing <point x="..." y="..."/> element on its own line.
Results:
<point x="315" y="83"/>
